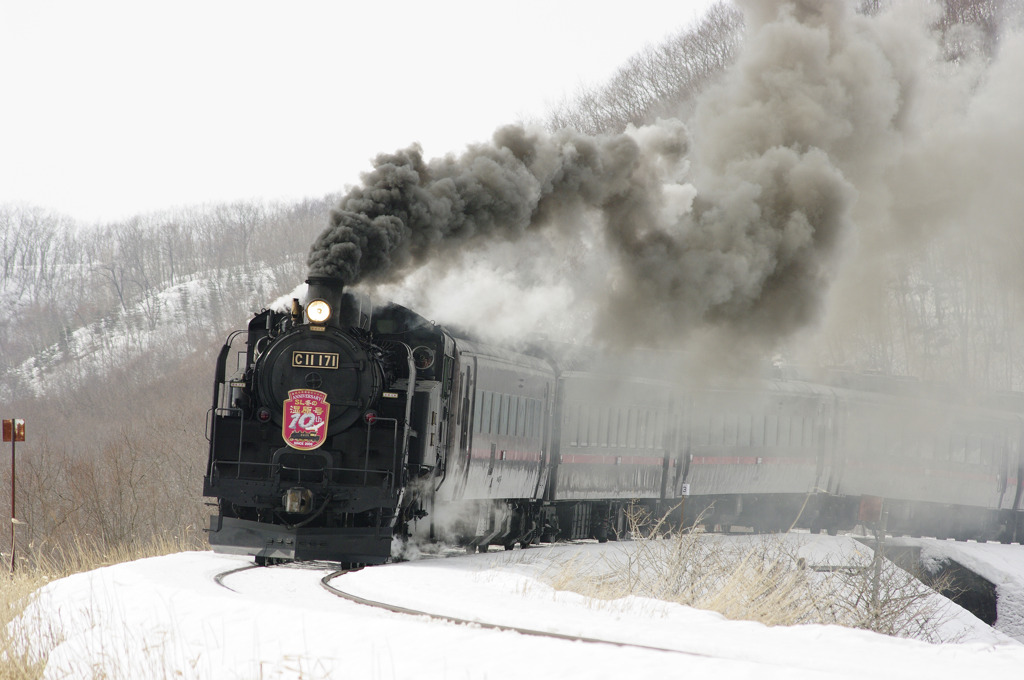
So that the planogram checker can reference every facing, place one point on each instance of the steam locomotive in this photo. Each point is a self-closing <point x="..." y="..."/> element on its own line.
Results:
<point x="342" y="427"/>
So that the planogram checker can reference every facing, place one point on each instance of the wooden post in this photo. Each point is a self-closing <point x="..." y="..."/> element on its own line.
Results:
<point x="13" y="514"/>
<point x="14" y="431"/>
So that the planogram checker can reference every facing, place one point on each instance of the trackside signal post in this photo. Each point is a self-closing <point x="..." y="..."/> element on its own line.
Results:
<point x="14" y="432"/>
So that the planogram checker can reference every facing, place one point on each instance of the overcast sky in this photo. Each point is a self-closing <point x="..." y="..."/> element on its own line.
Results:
<point x="109" y="109"/>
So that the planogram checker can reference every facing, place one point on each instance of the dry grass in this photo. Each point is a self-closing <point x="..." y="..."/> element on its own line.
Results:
<point x="16" y="590"/>
<point x="758" y="578"/>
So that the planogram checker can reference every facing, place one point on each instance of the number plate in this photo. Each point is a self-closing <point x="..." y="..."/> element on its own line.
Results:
<point x="315" y="360"/>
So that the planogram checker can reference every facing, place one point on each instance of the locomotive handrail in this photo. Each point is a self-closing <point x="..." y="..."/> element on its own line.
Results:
<point x="218" y="383"/>
<point x="369" y="430"/>
<point x="381" y="471"/>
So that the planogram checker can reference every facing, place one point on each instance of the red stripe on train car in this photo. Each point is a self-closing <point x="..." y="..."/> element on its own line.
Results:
<point x="504" y="454"/>
<point x="751" y="460"/>
<point x="577" y="459"/>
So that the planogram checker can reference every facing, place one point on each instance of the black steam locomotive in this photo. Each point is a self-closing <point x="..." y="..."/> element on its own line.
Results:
<point x="342" y="427"/>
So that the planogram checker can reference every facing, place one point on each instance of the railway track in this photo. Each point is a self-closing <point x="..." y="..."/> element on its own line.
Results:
<point x="327" y="583"/>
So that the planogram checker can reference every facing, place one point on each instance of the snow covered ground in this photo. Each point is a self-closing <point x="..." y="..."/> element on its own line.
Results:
<point x="166" y="617"/>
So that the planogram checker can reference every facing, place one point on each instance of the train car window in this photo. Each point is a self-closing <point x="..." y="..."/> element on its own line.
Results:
<point x="513" y="416"/>
<point x="505" y="404"/>
<point x="745" y="423"/>
<point x="538" y="418"/>
<point x="957" y="449"/>
<point x="592" y="418"/>
<point x="496" y="413"/>
<point x="602" y="426"/>
<point x="570" y="424"/>
<point x="987" y="450"/>
<point x="796" y="432"/>
<point x="584" y="425"/>
<point x="784" y="425"/>
<point x="973" y="450"/>
<point x="531" y="428"/>
<point x="496" y="406"/>
<point x="620" y="427"/>
<point x="659" y="434"/>
<point x="580" y="430"/>
<point x="894" y="445"/>
<point x="485" y="412"/>
<point x="513" y="413"/>
<point x="757" y="430"/>
<point x="479" y="412"/>
<point x="927" y="448"/>
<point x="875" y="443"/>
<point x="521" y="419"/>
<point x="586" y="416"/>
<point x="699" y="430"/>
<point x="524" y="413"/>
<point x="730" y="430"/>
<point x="716" y="429"/>
<point x="513" y="407"/>
<point x="524" y="409"/>
<point x="528" y="426"/>
<point x="771" y="430"/>
<point x="631" y="428"/>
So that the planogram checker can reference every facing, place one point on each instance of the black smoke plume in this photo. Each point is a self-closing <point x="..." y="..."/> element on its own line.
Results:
<point x="750" y="249"/>
<point x="409" y="210"/>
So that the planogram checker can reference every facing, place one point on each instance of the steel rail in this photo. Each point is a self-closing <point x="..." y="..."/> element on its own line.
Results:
<point x="397" y="609"/>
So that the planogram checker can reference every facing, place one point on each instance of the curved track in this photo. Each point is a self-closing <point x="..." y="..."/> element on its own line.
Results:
<point x="219" y="578"/>
<point x="326" y="583"/>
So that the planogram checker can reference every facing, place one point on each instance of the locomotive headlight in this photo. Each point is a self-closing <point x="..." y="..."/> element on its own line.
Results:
<point x="318" y="311"/>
